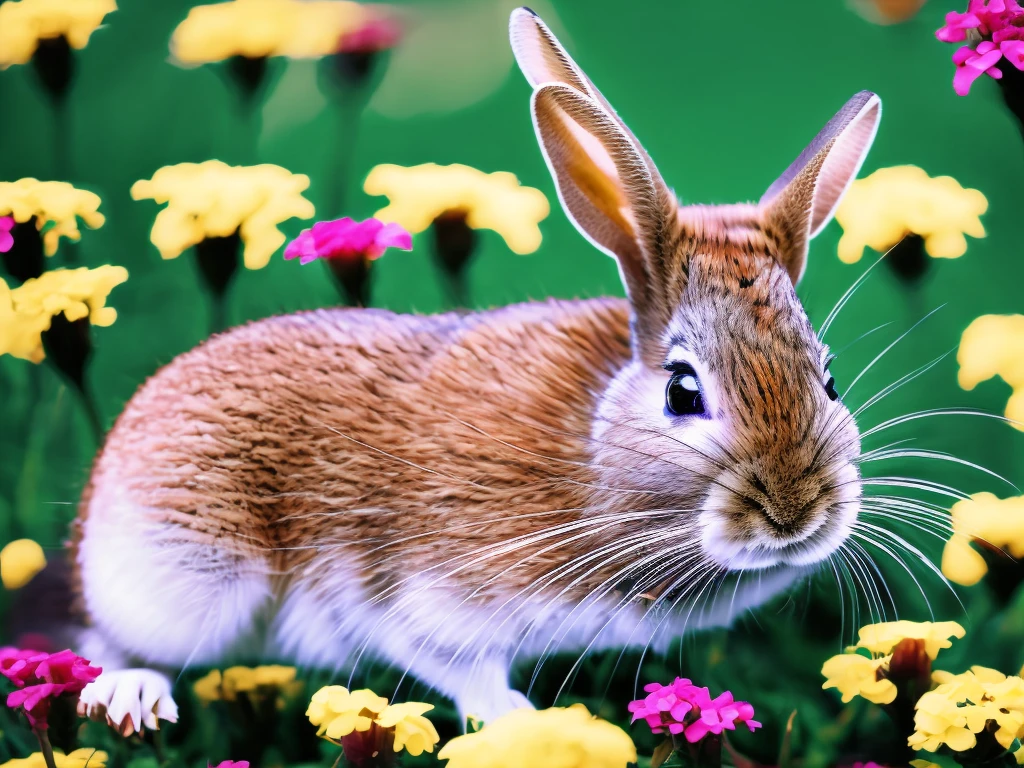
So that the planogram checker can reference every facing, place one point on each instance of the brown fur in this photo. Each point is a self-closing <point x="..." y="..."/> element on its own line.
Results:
<point x="252" y="439"/>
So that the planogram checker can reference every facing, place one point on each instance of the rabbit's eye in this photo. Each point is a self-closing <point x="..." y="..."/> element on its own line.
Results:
<point x="830" y="385"/>
<point x="682" y="395"/>
<point x="830" y="388"/>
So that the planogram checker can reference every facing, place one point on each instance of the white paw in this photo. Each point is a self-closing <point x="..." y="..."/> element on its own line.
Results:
<point x="129" y="699"/>
<point x="490" y="705"/>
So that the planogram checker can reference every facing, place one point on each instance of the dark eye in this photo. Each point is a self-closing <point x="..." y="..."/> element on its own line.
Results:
<point x="830" y="388"/>
<point x="830" y="385"/>
<point x="682" y="395"/>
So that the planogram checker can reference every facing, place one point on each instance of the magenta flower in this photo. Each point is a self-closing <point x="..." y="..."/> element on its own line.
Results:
<point x="972" y="63"/>
<point x="684" y="708"/>
<point x="41" y="677"/>
<point x="347" y="239"/>
<point x="956" y="26"/>
<point x="231" y="764"/>
<point x="1000" y="24"/>
<point x="380" y="33"/>
<point x="6" y="238"/>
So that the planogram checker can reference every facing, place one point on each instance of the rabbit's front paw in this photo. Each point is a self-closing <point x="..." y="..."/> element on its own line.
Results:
<point x="129" y="699"/>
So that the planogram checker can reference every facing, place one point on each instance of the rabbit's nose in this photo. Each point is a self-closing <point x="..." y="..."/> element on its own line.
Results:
<point x="786" y="506"/>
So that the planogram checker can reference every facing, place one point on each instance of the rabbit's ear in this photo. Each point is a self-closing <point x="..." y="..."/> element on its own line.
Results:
<point x="803" y="199"/>
<point x="543" y="60"/>
<point x="610" y="194"/>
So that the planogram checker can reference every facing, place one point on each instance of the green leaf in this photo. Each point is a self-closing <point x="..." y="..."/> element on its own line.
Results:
<point x="786" y="750"/>
<point x="662" y="753"/>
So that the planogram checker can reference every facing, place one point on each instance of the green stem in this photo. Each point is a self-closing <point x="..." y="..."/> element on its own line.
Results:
<point x="92" y="413"/>
<point x="45" y="747"/>
<point x="218" y="313"/>
<point x="350" y="111"/>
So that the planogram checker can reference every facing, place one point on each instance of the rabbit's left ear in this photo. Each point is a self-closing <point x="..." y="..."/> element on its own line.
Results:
<point x="803" y="199"/>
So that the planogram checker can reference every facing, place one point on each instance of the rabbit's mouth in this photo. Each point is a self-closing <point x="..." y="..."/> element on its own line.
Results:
<point x="739" y="555"/>
<point x="760" y="530"/>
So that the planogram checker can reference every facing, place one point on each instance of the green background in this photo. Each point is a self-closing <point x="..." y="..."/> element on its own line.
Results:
<point x="723" y="95"/>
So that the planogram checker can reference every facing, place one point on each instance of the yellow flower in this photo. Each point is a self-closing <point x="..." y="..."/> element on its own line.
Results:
<point x="20" y="561"/>
<point x="996" y="522"/>
<point x="254" y="681"/>
<point x="213" y="199"/>
<point x="338" y="712"/>
<point x="23" y="23"/>
<point x="496" y="201"/>
<point x="259" y="28"/>
<point x="79" y="758"/>
<point x="879" y="210"/>
<point x="856" y="675"/>
<point x="26" y="311"/>
<point x="993" y="345"/>
<point x="965" y="705"/>
<point x="413" y="732"/>
<point x="53" y="203"/>
<point x="208" y="688"/>
<point x="548" y="738"/>
<point x="882" y="638"/>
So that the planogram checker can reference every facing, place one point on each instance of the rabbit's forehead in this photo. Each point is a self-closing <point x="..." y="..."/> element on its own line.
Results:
<point x="732" y="324"/>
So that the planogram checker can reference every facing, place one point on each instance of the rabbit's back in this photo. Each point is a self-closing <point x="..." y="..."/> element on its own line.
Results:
<point x="256" y="450"/>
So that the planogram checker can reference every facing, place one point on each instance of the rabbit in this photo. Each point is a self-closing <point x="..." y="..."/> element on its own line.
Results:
<point x="450" y="494"/>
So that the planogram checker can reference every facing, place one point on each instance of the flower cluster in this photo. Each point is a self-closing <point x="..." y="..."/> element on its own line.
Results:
<point x="965" y="705"/>
<point x="871" y="675"/>
<point x="255" y="682"/>
<point x="213" y="199"/>
<point x="997" y="31"/>
<point x="423" y="193"/>
<point x="23" y="23"/>
<point x="684" y="708"/>
<point x="365" y="724"/>
<point x="41" y="677"/>
<point x="80" y="758"/>
<point x="881" y="209"/>
<point x="27" y="311"/>
<point x="20" y="561"/>
<point x="54" y="205"/>
<point x="6" y="238"/>
<point x="991" y="521"/>
<point x="567" y="737"/>
<point x="346" y="239"/>
<point x="993" y="345"/>
<point x="261" y="28"/>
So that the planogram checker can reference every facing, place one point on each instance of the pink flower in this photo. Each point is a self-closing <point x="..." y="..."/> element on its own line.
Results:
<point x="956" y="26"/>
<point x="231" y="764"/>
<point x="380" y="33"/>
<point x="973" y="63"/>
<point x="685" y="708"/>
<point x="347" y="239"/>
<point x="1001" y="24"/>
<point x="40" y="677"/>
<point x="6" y="238"/>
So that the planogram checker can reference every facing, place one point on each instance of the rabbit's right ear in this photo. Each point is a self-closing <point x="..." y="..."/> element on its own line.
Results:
<point x="606" y="182"/>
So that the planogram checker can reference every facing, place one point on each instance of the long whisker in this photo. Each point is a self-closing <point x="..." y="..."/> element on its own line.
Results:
<point x="848" y="295"/>
<point x="882" y="354"/>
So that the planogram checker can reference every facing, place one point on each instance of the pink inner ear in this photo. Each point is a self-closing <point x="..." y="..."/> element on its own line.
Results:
<point x="598" y="178"/>
<point x="841" y="165"/>
<point x="592" y="146"/>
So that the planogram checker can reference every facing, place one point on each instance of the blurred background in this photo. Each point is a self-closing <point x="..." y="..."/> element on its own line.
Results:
<point x="723" y="96"/>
